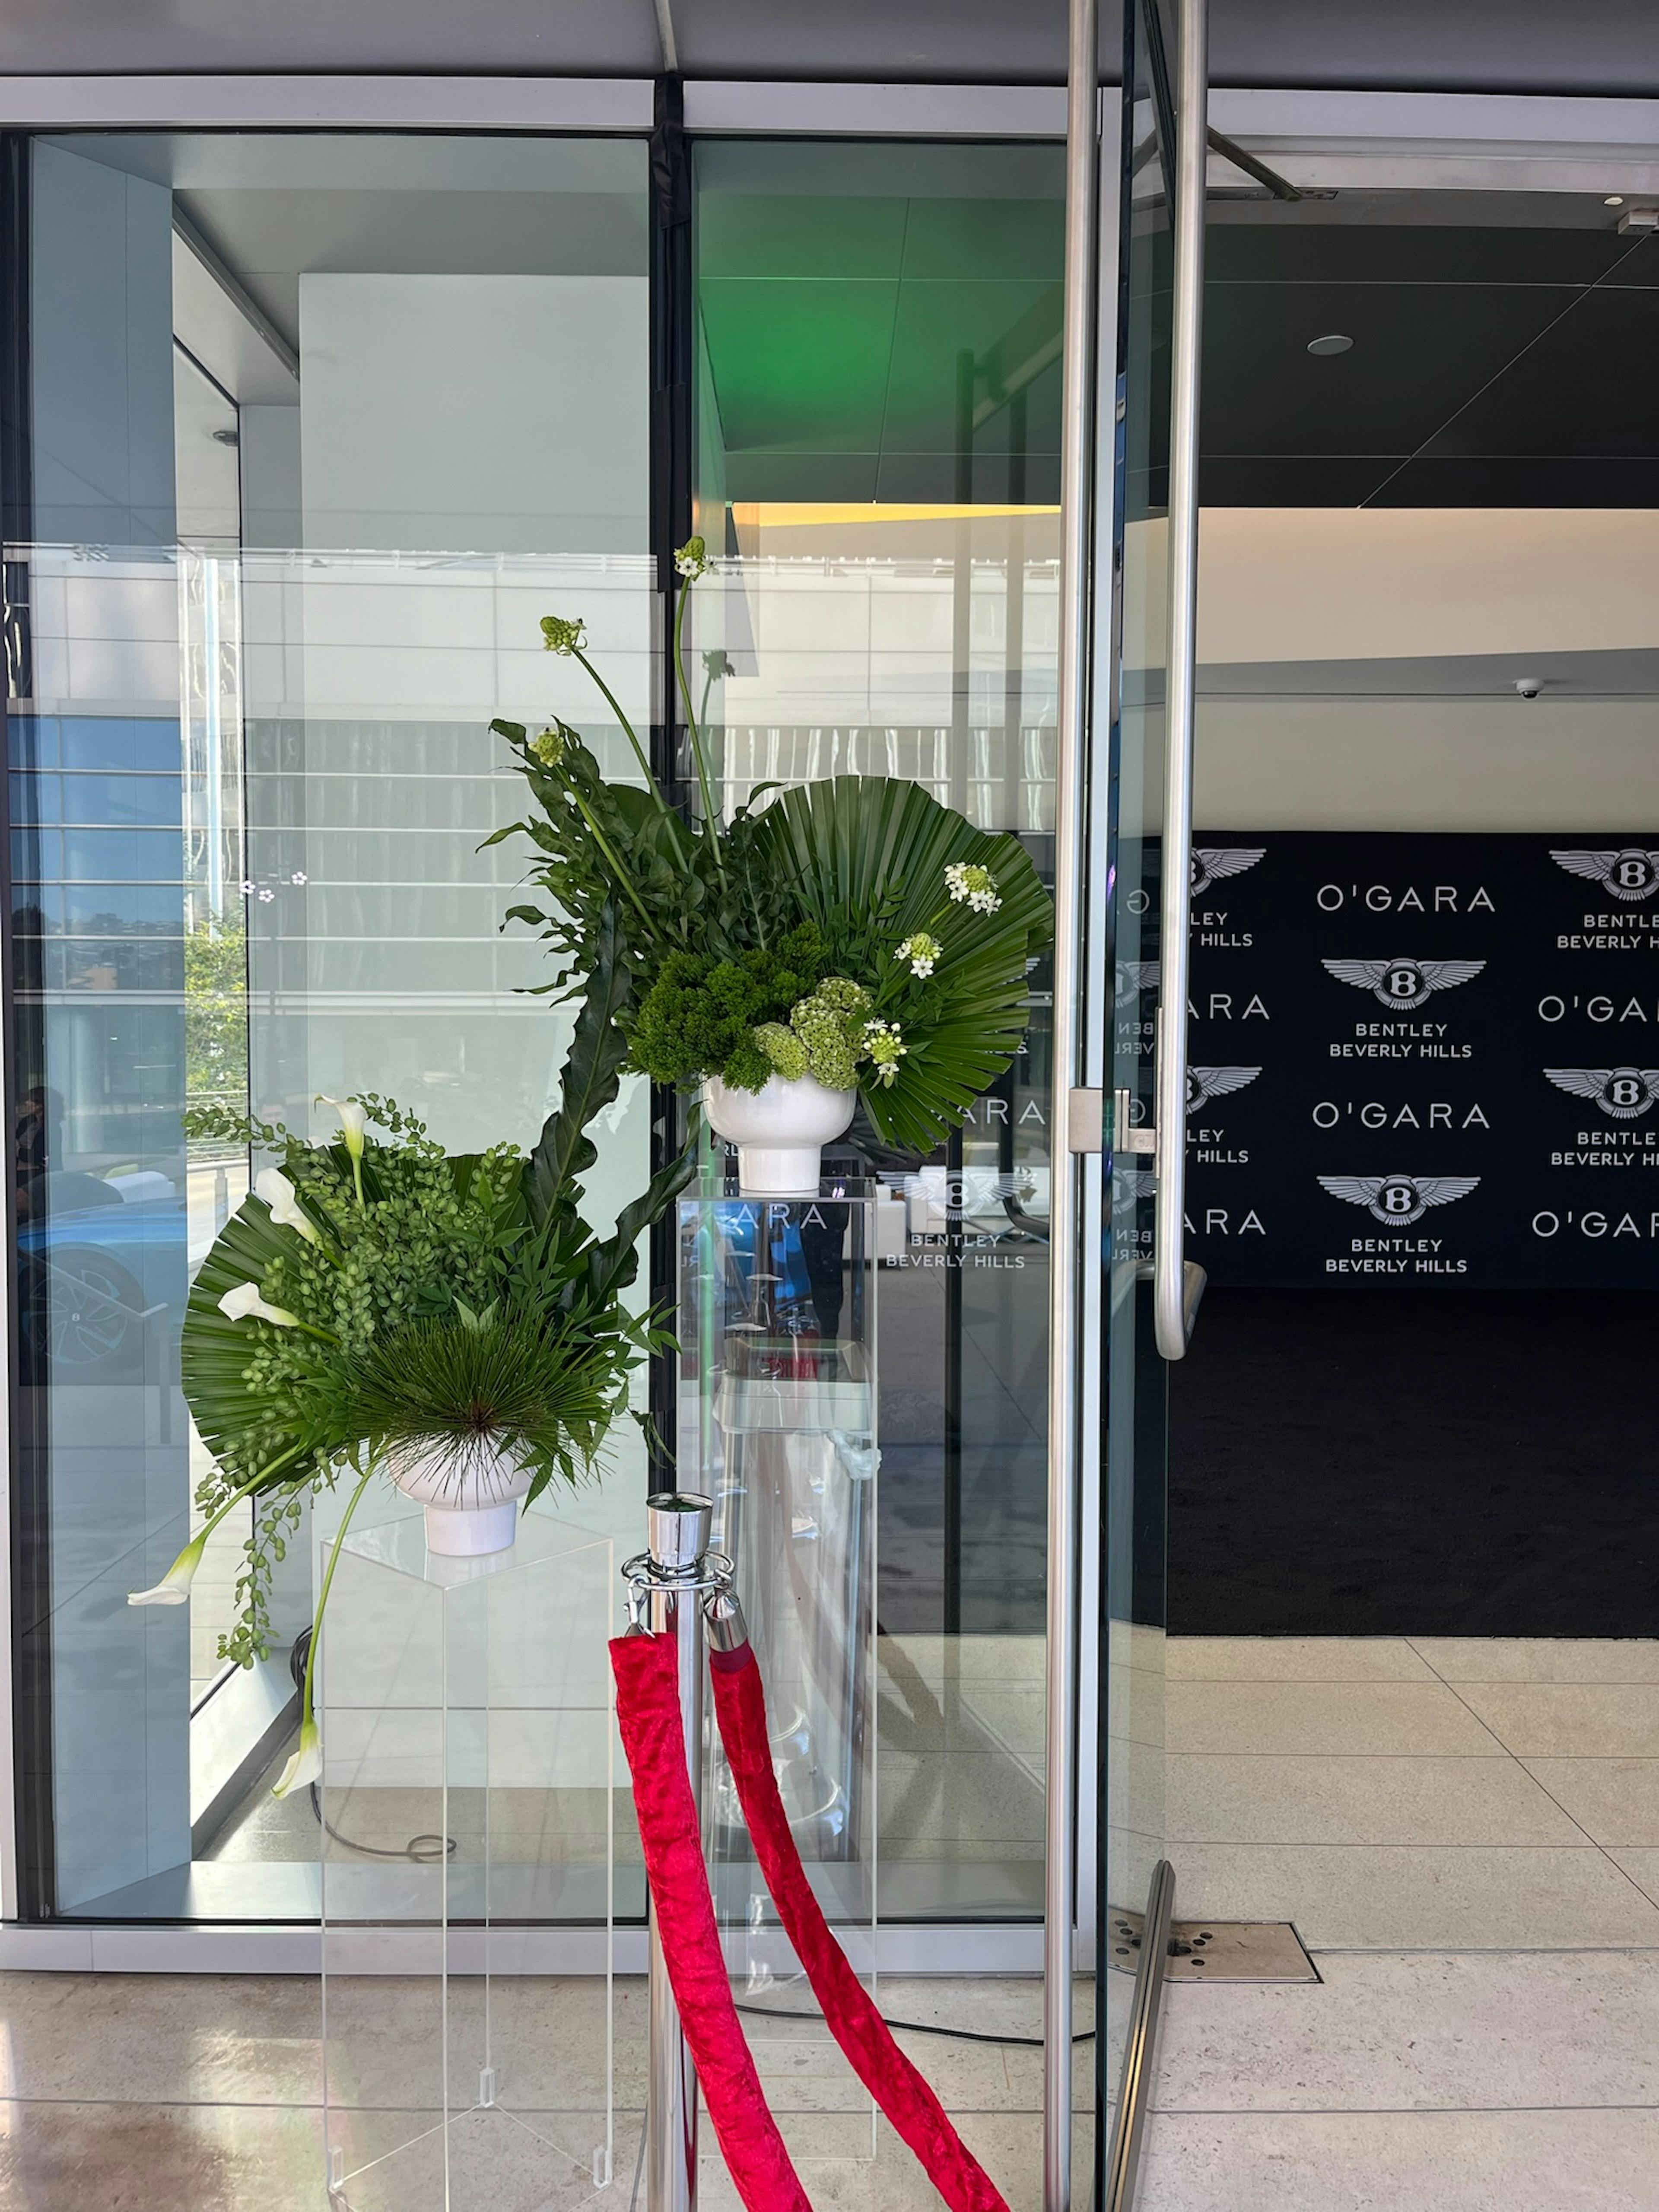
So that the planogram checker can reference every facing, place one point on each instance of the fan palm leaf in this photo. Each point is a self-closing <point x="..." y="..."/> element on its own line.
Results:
<point x="878" y="845"/>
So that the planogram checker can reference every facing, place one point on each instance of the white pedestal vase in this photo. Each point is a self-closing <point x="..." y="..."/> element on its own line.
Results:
<point x="780" y="1131"/>
<point x="471" y="1495"/>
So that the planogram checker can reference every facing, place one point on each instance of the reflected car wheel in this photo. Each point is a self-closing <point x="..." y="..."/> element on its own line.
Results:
<point x="94" y="1310"/>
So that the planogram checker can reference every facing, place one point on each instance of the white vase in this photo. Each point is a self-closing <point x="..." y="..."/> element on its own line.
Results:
<point x="779" y="1131"/>
<point x="471" y="1495"/>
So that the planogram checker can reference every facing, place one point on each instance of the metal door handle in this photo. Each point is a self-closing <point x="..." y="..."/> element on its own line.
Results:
<point x="1172" y="1320"/>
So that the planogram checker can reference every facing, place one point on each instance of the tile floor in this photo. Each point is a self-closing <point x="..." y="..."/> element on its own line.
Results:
<point x="132" y="2093"/>
<point x="1465" y="1835"/>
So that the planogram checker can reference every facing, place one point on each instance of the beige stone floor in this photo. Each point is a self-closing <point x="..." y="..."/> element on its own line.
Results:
<point x="1466" y="1834"/>
<point x="197" y="2093"/>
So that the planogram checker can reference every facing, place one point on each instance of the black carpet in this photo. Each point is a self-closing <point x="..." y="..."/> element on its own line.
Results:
<point x="1431" y="1462"/>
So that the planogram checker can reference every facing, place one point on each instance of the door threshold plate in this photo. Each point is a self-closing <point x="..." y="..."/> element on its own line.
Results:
<point x="1217" y="1950"/>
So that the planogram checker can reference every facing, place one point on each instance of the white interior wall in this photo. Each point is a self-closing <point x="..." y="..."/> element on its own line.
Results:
<point x="1549" y="765"/>
<point x="1418" y="622"/>
<point x="461" y="414"/>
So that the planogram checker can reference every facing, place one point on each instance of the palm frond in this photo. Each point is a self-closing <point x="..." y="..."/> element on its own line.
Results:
<point x="869" y="845"/>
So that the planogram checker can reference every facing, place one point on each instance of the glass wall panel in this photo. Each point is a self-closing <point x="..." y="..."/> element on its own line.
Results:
<point x="321" y="426"/>
<point x="879" y="461"/>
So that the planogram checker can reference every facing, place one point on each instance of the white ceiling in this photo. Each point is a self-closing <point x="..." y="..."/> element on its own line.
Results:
<point x="1606" y="46"/>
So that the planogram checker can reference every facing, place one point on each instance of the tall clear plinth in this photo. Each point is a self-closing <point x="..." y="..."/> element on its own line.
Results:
<point x="777" y="1425"/>
<point x="465" y="1804"/>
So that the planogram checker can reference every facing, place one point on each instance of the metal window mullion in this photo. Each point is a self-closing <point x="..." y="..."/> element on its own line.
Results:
<point x="1070" y="753"/>
<point x="1170" y="1316"/>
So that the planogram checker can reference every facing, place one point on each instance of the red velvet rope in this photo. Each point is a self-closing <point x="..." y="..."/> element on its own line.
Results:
<point x="888" y="2076"/>
<point x="648" y="1713"/>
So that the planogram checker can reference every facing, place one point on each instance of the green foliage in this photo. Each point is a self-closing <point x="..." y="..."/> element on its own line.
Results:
<point x="461" y="1296"/>
<point x="216" y="1014"/>
<point x="933" y="922"/>
<point x="830" y="1025"/>
<point x="701" y="1016"/>
<point x="865" y="858"/>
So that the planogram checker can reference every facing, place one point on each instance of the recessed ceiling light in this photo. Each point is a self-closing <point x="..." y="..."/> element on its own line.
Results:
<point x="1613" y="199"/>
<point x="1335" y="343"/>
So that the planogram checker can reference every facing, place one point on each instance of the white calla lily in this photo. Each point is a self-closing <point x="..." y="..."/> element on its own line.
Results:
<point x="245" y="1303"/>
<point x="280" y="1196"/>
<point x="306" y="1764"/>
<point x="353" y="1122"/>
<point x="173" y="1588"/>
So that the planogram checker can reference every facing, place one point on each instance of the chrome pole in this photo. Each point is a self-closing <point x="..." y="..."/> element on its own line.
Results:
<point x="1172" y="1311"/>
<point x="1070" y="754"/>
<point x="676" y="1538"/>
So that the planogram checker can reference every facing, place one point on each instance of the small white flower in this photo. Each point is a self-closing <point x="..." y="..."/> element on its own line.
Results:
<point x="691" y="559"/>
<point x="966" y="880"/>
<point x="306" y="1766"/>
<point x="265" y="897"/>
<point x="885" y="1047"/>
<point x="923" y="952"/>
<point x="279" y="1194"/>
<point x="173" y="1588"/>
<point x="248" y="887"/>
<point x="245" y="1303"/>
<point x="353" y="1122"/>
<point x="298" y="876"/>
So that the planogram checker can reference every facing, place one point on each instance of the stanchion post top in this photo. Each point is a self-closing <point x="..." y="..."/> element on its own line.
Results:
<point x="677" y="1527"/>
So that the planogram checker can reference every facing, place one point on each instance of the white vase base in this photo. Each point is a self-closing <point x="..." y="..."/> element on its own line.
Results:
<point x="780" y="1170"/>
<point x="456" y="1531"/>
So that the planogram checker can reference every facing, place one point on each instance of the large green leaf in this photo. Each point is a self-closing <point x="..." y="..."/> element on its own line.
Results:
<point x="856" y="845"/>
<point x="213" y="1350"/>
<point x="592" y="1074"/>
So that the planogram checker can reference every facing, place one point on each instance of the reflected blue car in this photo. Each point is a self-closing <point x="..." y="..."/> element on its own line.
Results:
<point x="101" y="1274"/>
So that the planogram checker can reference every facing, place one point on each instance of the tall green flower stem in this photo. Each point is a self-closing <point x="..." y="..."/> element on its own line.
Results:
<point x="175" y="1586"/>
<point x="710" y="821"/>
<point x="614" y="864"/>
<point x="615" y="705"/>
<point x="308" y="1749"/>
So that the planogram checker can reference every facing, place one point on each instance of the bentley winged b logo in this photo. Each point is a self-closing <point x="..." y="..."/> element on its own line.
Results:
<point x="1631" y="874"/>
<point x="1135" y="977"/>
<point x="1204" y="1084"/>
<point x="1402" y="984"/>
<point x="1212" y="862"/>
<point x="1624" y="1092"/>
<point x="1398" y="1200"/>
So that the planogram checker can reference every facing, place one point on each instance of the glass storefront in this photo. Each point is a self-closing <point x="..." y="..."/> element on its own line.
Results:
<point x="878" y="447"/>
<point x="320" y="426"/>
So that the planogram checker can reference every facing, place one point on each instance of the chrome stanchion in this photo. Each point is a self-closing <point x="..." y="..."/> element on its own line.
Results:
<point x="667" y="1586"/>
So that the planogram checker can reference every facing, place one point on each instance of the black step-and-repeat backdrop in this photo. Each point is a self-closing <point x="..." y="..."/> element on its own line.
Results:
<point x="1423" y="1060"/>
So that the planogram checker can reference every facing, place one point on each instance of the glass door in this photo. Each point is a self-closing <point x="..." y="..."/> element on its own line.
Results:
<point x="1152" y="1290"/>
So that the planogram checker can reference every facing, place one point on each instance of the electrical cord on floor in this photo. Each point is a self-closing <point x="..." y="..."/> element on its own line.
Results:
<point x="926" y="2027"/>
<point x="421" y="1850"/>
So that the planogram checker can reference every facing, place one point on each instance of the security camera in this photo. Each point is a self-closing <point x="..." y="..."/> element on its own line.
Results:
<point x="1527" y="686"/>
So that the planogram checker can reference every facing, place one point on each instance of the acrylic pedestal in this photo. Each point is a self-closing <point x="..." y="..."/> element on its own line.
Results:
<point x="777" y="1425"/>
<point x="466" y="1716"/>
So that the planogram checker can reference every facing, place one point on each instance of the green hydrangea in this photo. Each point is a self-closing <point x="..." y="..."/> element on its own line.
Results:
<point x="700" y="1016"/>
<point x="783" y="1049"/>
<point x="830" y="1024"/>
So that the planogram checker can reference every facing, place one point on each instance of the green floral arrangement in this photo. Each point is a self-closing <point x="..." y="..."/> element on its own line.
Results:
<point x="852" y="929"/>
<point x="374" y="1294"/>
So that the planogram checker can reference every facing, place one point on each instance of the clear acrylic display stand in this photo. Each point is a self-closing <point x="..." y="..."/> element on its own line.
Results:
<point x="466" y="1715"/>
<point x="777" y="1425"/>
